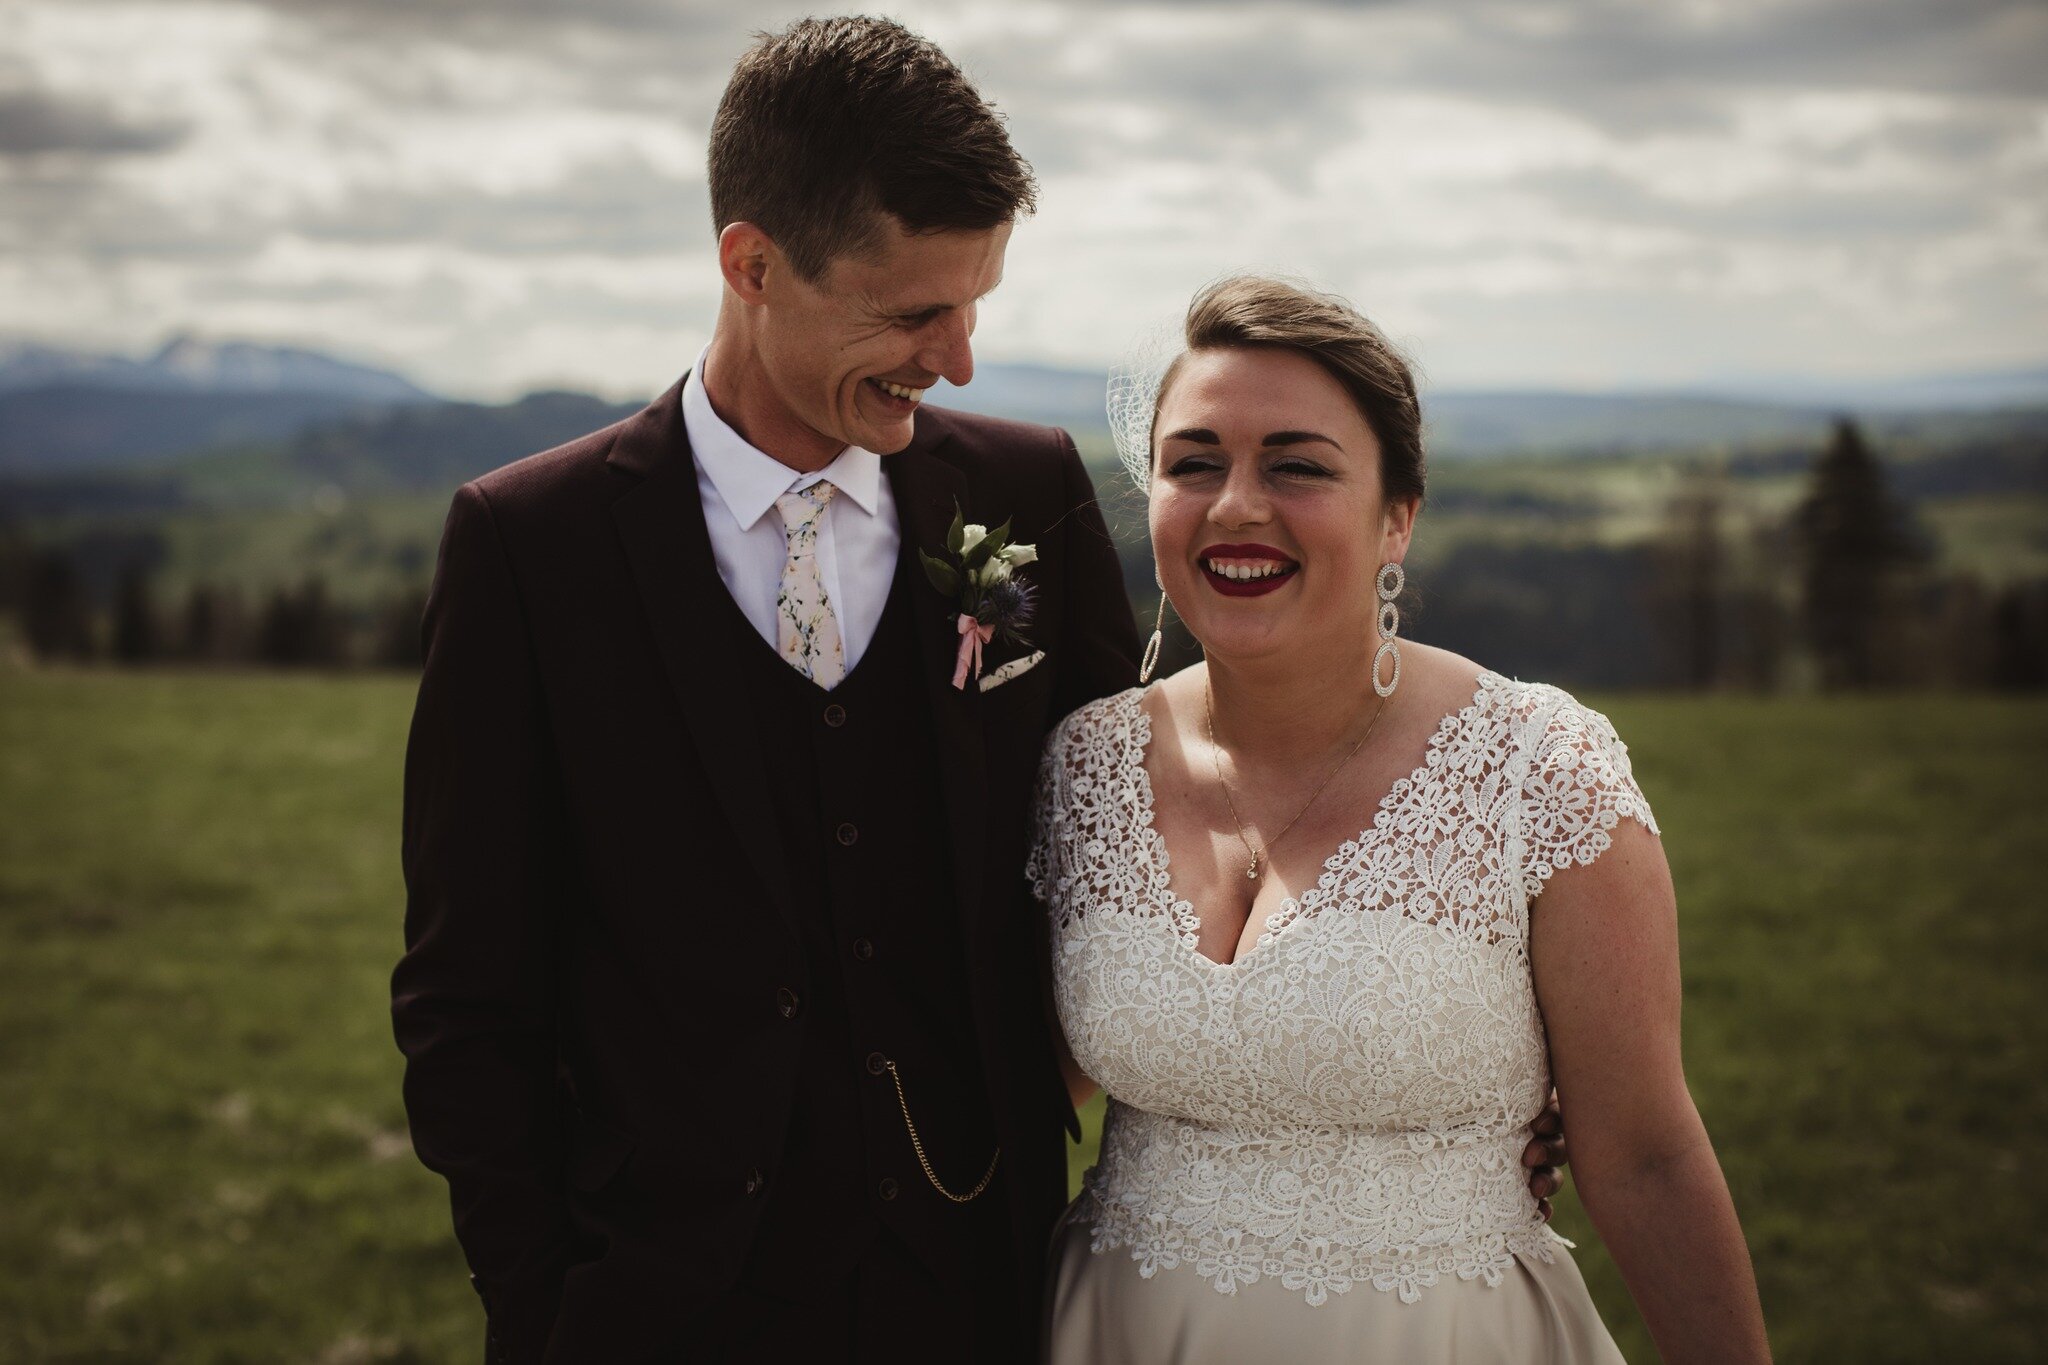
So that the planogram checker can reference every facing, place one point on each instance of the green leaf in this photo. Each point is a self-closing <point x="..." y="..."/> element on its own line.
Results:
<point x="940" y="573"/>
<point x="957" y="536"/>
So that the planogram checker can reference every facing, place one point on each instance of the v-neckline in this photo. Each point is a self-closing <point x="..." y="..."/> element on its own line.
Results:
<point x="1181" y="912"/>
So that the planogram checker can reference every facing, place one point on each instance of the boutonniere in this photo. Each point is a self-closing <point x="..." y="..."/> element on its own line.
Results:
<point x="976" y="571"/>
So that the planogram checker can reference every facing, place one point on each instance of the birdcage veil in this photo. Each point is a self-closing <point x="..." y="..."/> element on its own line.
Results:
<point x="1134" y="393"/>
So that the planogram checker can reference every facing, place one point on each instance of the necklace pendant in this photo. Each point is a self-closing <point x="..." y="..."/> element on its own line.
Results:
<point x="1252" y="873"/>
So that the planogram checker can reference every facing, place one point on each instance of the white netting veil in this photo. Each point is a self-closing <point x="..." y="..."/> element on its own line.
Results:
<point x="1134" y="391"/>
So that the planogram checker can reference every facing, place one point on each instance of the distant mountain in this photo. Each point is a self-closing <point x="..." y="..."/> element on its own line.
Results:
<point x="1032" y="393"/>
<point x="1497" y="423"/>
<point x="1960" y="391"/>
<point x="188" y="364"/>
<point x="1485" y="423"/>
<point x="443" y="445"/>
<point x="293" y="411"/>
<point x="71" y="411"/>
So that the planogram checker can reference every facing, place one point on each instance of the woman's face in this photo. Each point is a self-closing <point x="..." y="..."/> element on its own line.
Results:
<point x="1267" y="512"/>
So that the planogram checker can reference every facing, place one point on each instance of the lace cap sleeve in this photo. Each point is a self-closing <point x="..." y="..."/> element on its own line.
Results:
<point x="1578" y="787"/>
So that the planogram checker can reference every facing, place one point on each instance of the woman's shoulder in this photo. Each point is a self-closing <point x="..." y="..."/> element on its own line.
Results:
<point x="1532" y="716"/>
<point x="1496" y="695"/>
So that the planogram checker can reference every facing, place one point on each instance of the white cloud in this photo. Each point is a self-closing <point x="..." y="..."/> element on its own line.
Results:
<point x="1528" y="192"/>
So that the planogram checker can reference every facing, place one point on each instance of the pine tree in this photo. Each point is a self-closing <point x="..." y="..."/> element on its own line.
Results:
<point x="1856" y="541"/>
<point x="55" y="615"/>
<point x="136" y="637"/>
<point x="1690" y="587"/>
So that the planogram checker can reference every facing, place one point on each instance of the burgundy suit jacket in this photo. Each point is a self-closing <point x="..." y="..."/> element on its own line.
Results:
<point x="599" y="942"/>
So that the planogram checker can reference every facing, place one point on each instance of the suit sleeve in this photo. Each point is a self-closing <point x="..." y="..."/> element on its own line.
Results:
<point x="473" y="999"/>
<point x="1100" y="638"/>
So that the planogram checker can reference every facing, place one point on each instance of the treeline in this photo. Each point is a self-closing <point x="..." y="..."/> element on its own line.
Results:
<point x="1842" y="593"/>
<point x="130" y="622"/>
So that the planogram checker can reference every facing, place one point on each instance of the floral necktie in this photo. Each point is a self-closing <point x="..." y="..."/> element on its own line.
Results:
<point x="806" y="631"/>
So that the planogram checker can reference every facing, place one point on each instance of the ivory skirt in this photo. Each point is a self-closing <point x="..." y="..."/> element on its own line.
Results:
<point x="1101" y="1311"/>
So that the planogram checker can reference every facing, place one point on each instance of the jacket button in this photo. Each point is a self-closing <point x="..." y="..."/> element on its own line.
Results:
<point x="887" y="1189"/>
<point x="877" y="1064"/>
<point x="847" y="834"/>
<point x="754" y="1183"/>
<point x="786" y="1003"/>
<point x="835" y="715"/>
<point x="863" y="949"/>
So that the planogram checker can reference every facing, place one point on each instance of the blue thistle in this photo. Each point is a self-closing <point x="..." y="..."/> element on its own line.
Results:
<point x="1007" y="606"/>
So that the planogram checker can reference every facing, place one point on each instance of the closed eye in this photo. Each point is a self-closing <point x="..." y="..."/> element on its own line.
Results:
<point x="1188" y="465"/>
<point x="1304" y="468"/>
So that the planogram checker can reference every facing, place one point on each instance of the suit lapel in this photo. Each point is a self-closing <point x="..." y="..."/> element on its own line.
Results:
<point x="661" y="523"/>
<point x="927" y="490"/>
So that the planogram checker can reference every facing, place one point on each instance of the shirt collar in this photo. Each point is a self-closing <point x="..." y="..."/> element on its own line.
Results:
<point x="749" y="479"/>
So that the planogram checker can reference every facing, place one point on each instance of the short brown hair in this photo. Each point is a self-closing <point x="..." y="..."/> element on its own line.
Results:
<point x="832" y="123"/>
<point x="1255" y="311"/>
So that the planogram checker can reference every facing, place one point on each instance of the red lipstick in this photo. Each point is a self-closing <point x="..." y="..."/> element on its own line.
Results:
<point x="1247" y="587"/>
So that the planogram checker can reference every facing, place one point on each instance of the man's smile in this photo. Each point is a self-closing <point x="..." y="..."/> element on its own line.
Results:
<point x="899" y="398"/>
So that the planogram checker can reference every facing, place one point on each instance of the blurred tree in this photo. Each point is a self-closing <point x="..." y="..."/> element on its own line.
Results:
<point x="398" y="631"/>
<point x="137" y="639"/>
<point x="201" y="639"/>
<point x="1855" y="543"/>
<point x="300" y="628"/>
<point x="1688" y="588"/>
<point x="2019" y="624"/>
<point x="54" y="612"/>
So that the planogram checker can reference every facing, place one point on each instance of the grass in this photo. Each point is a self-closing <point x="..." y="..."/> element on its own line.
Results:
<point x="205" y="1153"/>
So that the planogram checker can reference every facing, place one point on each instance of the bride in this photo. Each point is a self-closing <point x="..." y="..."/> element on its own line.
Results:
<point x="1331" y="912"/>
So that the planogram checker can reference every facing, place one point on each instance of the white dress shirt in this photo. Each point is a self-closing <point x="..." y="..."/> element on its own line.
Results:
<point x="858" y="536"/>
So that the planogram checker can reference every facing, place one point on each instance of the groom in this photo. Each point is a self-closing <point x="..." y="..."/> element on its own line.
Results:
<point x="723" y="991"/>
<point x="723" y="996"/>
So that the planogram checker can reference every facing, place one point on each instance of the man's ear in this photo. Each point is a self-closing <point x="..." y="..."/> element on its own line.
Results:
<point x="745" y="256"/>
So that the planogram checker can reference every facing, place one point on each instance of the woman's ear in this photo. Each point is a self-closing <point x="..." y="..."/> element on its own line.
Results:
<point x="1397" y="526"/>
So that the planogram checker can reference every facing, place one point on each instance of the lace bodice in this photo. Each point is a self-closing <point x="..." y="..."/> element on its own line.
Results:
<point x="1347" y="1103"/>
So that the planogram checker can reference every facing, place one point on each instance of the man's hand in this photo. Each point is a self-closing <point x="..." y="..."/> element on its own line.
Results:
<point x="1545" y="1155"/>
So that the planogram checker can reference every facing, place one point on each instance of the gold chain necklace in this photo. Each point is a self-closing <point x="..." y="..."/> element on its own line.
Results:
<point x="1258" y="855"/>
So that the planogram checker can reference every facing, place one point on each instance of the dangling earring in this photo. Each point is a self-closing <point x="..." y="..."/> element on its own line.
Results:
<point x="1151" y="660"/>
<point x="1390" y="626"/>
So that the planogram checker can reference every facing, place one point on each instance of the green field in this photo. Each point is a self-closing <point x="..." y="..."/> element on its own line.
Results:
<point x="205" y="1156"/>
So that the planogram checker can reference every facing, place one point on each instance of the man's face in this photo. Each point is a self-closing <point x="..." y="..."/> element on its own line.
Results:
<point x="850" y="356"/>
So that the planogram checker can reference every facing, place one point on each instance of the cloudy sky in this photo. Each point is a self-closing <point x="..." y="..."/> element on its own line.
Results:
<point x="494" y="194"/>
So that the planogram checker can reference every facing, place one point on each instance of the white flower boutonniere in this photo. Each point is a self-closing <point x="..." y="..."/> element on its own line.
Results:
<point x="976" y="571"/>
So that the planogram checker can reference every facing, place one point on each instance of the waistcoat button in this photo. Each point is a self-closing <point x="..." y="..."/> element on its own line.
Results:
<point x="847" y="834"/>
<point x="887" y="1189"/>
<point x="835" y="715"/>
<point x="877" y="1063"/>
<point x="786" y="1003"/>
<point x="754" y="1183"/>
<point x="863" y="949"/>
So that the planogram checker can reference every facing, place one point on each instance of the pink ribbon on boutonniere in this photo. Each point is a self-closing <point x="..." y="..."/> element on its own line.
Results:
<point x="973" y="635"/>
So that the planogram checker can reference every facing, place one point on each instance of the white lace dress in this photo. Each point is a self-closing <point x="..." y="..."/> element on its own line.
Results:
<point x="1314" y="1153"/>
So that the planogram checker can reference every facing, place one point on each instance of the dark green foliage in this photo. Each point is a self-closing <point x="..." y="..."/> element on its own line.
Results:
<point x="1856" y="541"/>
<point x="138" y="637"/>
<point x="54" y="613"/>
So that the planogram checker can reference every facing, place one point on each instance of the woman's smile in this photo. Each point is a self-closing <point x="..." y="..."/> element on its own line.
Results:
<point x="1246" y="570"/>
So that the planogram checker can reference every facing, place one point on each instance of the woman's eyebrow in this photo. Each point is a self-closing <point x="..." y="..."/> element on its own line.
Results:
<point x="1295" y="438"/>
<point x="1200" y="435"/>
